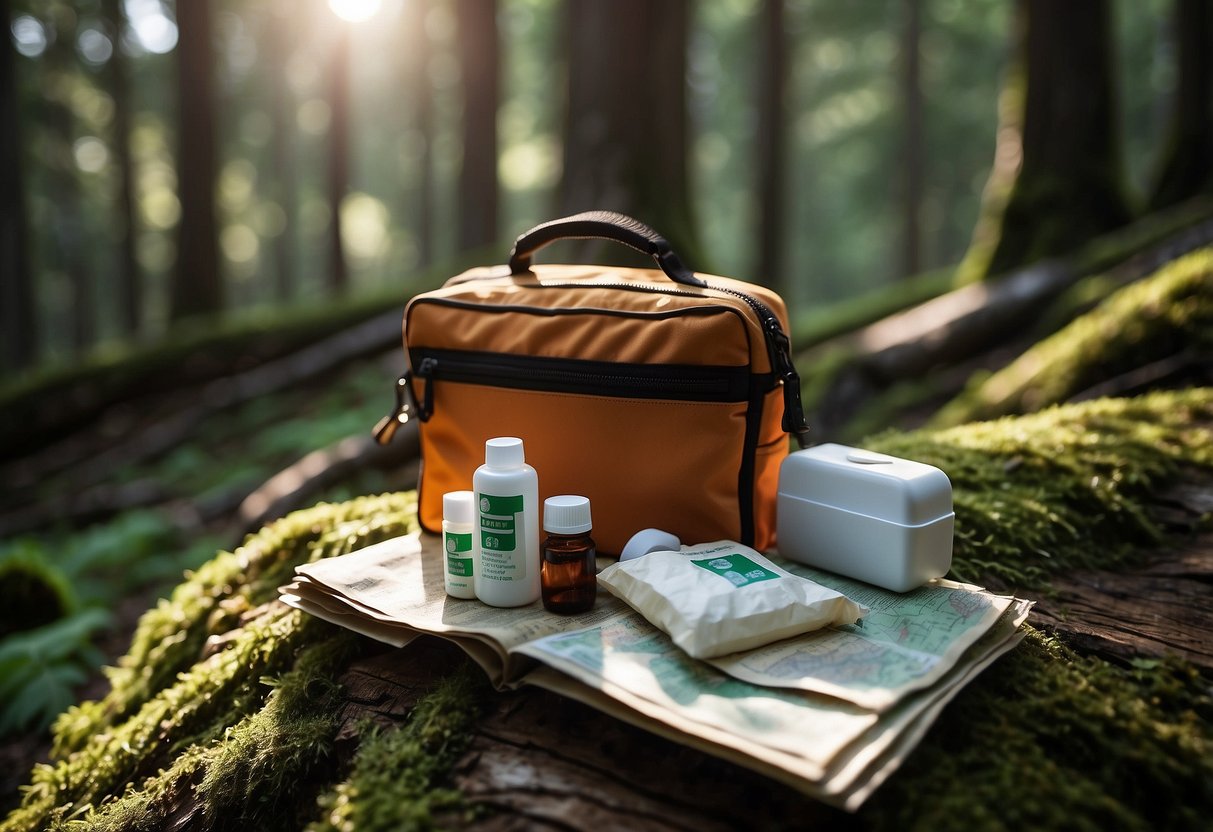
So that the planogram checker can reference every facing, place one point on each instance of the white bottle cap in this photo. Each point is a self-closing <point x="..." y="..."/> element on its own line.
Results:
<point x="459" y="507"/>
<point x="566" y="514"/>
<point x="504" y="452"/>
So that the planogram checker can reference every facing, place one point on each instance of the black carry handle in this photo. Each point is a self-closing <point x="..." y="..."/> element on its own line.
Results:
<point x="602" y="225"/>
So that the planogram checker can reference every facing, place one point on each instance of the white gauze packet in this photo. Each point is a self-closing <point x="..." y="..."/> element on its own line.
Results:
<point x="718" y="598"/>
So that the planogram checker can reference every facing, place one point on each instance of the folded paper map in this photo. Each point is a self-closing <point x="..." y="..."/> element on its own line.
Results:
<point x="832" y="713"/>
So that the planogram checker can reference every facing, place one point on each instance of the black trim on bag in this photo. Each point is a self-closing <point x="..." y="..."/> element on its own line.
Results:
<point x="679" y="382"/>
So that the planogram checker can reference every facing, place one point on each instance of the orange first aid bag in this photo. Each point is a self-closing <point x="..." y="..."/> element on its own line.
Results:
<point x="664" y="396"/>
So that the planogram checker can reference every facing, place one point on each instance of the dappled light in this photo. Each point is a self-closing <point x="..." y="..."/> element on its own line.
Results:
<point x="905" y="306"/>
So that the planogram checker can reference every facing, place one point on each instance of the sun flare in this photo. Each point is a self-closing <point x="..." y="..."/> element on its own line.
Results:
<point x="355" y="11"/>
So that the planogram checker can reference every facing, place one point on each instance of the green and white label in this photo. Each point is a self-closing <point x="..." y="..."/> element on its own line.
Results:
<point x="737" y="569"/>
<point x="502" y="538"/>
<point x="459" y="557"/>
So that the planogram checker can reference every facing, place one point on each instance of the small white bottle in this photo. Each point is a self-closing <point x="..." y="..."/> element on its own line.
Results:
<point x="507" y="500"/>
<point x="458" y="543"/>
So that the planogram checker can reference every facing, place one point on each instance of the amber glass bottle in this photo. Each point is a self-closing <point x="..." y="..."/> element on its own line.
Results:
<point x="568" y="577"/>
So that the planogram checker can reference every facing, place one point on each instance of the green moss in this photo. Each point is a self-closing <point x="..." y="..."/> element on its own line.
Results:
<point x="1066" y="488"/>
<point x="1047" y="739"/>
<point x="259" y="773"/>
<point x="395" y="782"/>
<point x="1144" y="322"/>
<point x="170" y="636"/>
<point x="166" y="697"/>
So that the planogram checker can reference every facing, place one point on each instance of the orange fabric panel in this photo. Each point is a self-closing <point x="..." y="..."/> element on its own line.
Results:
<point x="632" y="457"/>
<point x="718" y="339"/>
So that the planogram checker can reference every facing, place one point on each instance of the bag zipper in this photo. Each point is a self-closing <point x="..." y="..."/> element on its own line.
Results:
<point x="778" y="350"/>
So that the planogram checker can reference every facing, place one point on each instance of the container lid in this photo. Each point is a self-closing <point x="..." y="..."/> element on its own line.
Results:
<point x="504" y="452"/>
<point x="459" y="507"/>
<point x="876" y="485"/>
<point x="566" y="514"/>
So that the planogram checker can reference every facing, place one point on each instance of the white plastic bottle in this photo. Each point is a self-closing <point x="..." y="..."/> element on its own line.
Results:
<point x="507" y="501"/>
<point x="458" y="543"/>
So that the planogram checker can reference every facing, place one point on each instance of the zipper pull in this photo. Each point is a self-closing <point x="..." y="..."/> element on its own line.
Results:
<point x="794" y="421"/>
<point x="386" y="428"/>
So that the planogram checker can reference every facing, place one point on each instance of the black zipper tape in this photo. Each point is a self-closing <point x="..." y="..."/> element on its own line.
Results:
<point x="679" y="382"/>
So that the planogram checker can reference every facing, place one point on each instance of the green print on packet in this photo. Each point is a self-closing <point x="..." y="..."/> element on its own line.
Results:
<point x="498" y="518"/>
<point x="459" y="554"/>
<point x="737" y="569"/>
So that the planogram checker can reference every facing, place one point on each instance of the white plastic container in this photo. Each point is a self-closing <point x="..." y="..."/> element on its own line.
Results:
<point x="877" y="518"/>
<point x="507" y="502"/>
<point x="458" y="543"/>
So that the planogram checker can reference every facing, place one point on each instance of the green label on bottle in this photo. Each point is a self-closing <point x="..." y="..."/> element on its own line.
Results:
<point x="737" y="569"/>
<point x="501" y="540"/>
<point x="459" y="555"/>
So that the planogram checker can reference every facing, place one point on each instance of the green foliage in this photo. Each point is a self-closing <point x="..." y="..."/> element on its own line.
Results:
<point x="57" y="592"/>
<point x="40" y="669"/>
<point x="1063" y="489"/>
<point x="394" y="783"/>
<point x="1047" y="739"/>
<point x="1153" y="319"/>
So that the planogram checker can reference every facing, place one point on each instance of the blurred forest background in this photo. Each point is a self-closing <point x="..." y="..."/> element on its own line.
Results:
<point x="214" y="211"/>
<point x="175" y="160"/>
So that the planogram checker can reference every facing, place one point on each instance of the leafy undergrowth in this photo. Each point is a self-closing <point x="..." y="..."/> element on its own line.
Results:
<point x="192" y="734"/>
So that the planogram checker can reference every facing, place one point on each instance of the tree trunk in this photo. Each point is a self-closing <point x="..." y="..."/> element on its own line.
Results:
<point x="198" y="284"/>
<point x="339" y="155"/>
<point x="480" y="63"/>
<point x="770" y="143"/>
<point x="912" y="162"/>
<point x="1057" y="180"/>
<point x="283" y="163"/>
<point x="417" y="82"/>
<point x="626" y="125"/>
<point x="1187" y="169"/>
<point x="130" y="283"/>
<point x="18" y="318"/>
<point x="67" y="231"/>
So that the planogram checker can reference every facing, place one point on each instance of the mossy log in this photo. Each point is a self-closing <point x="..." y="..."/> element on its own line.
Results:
<point x="924" y="356"/>
<point x="1163" y="324"/>
<point x="231" y="711"/>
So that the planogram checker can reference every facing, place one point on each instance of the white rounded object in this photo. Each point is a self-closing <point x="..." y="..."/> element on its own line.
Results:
<point x="649" y="540"/>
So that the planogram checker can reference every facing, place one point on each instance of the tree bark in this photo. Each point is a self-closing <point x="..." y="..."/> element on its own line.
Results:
<point x="283" y="150"/>
<point x="1057" y="178"/>
<point x="480" y="63"/>
<point x="18" y="318"/>
<point x="417" y="81"/>
<point x="626" y="124"/>
<point x="130" y="281"/>
<point x="339" y="155"/>
<point x="67" y="230"/>
<point x="198" y="283"/>
<point x="770" y="144"/>
<point x="1187" y="169"/>
<point x="912" y="162"/>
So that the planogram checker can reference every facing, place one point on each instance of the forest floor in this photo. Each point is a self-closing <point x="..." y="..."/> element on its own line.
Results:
<point x="108" y="514"/>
